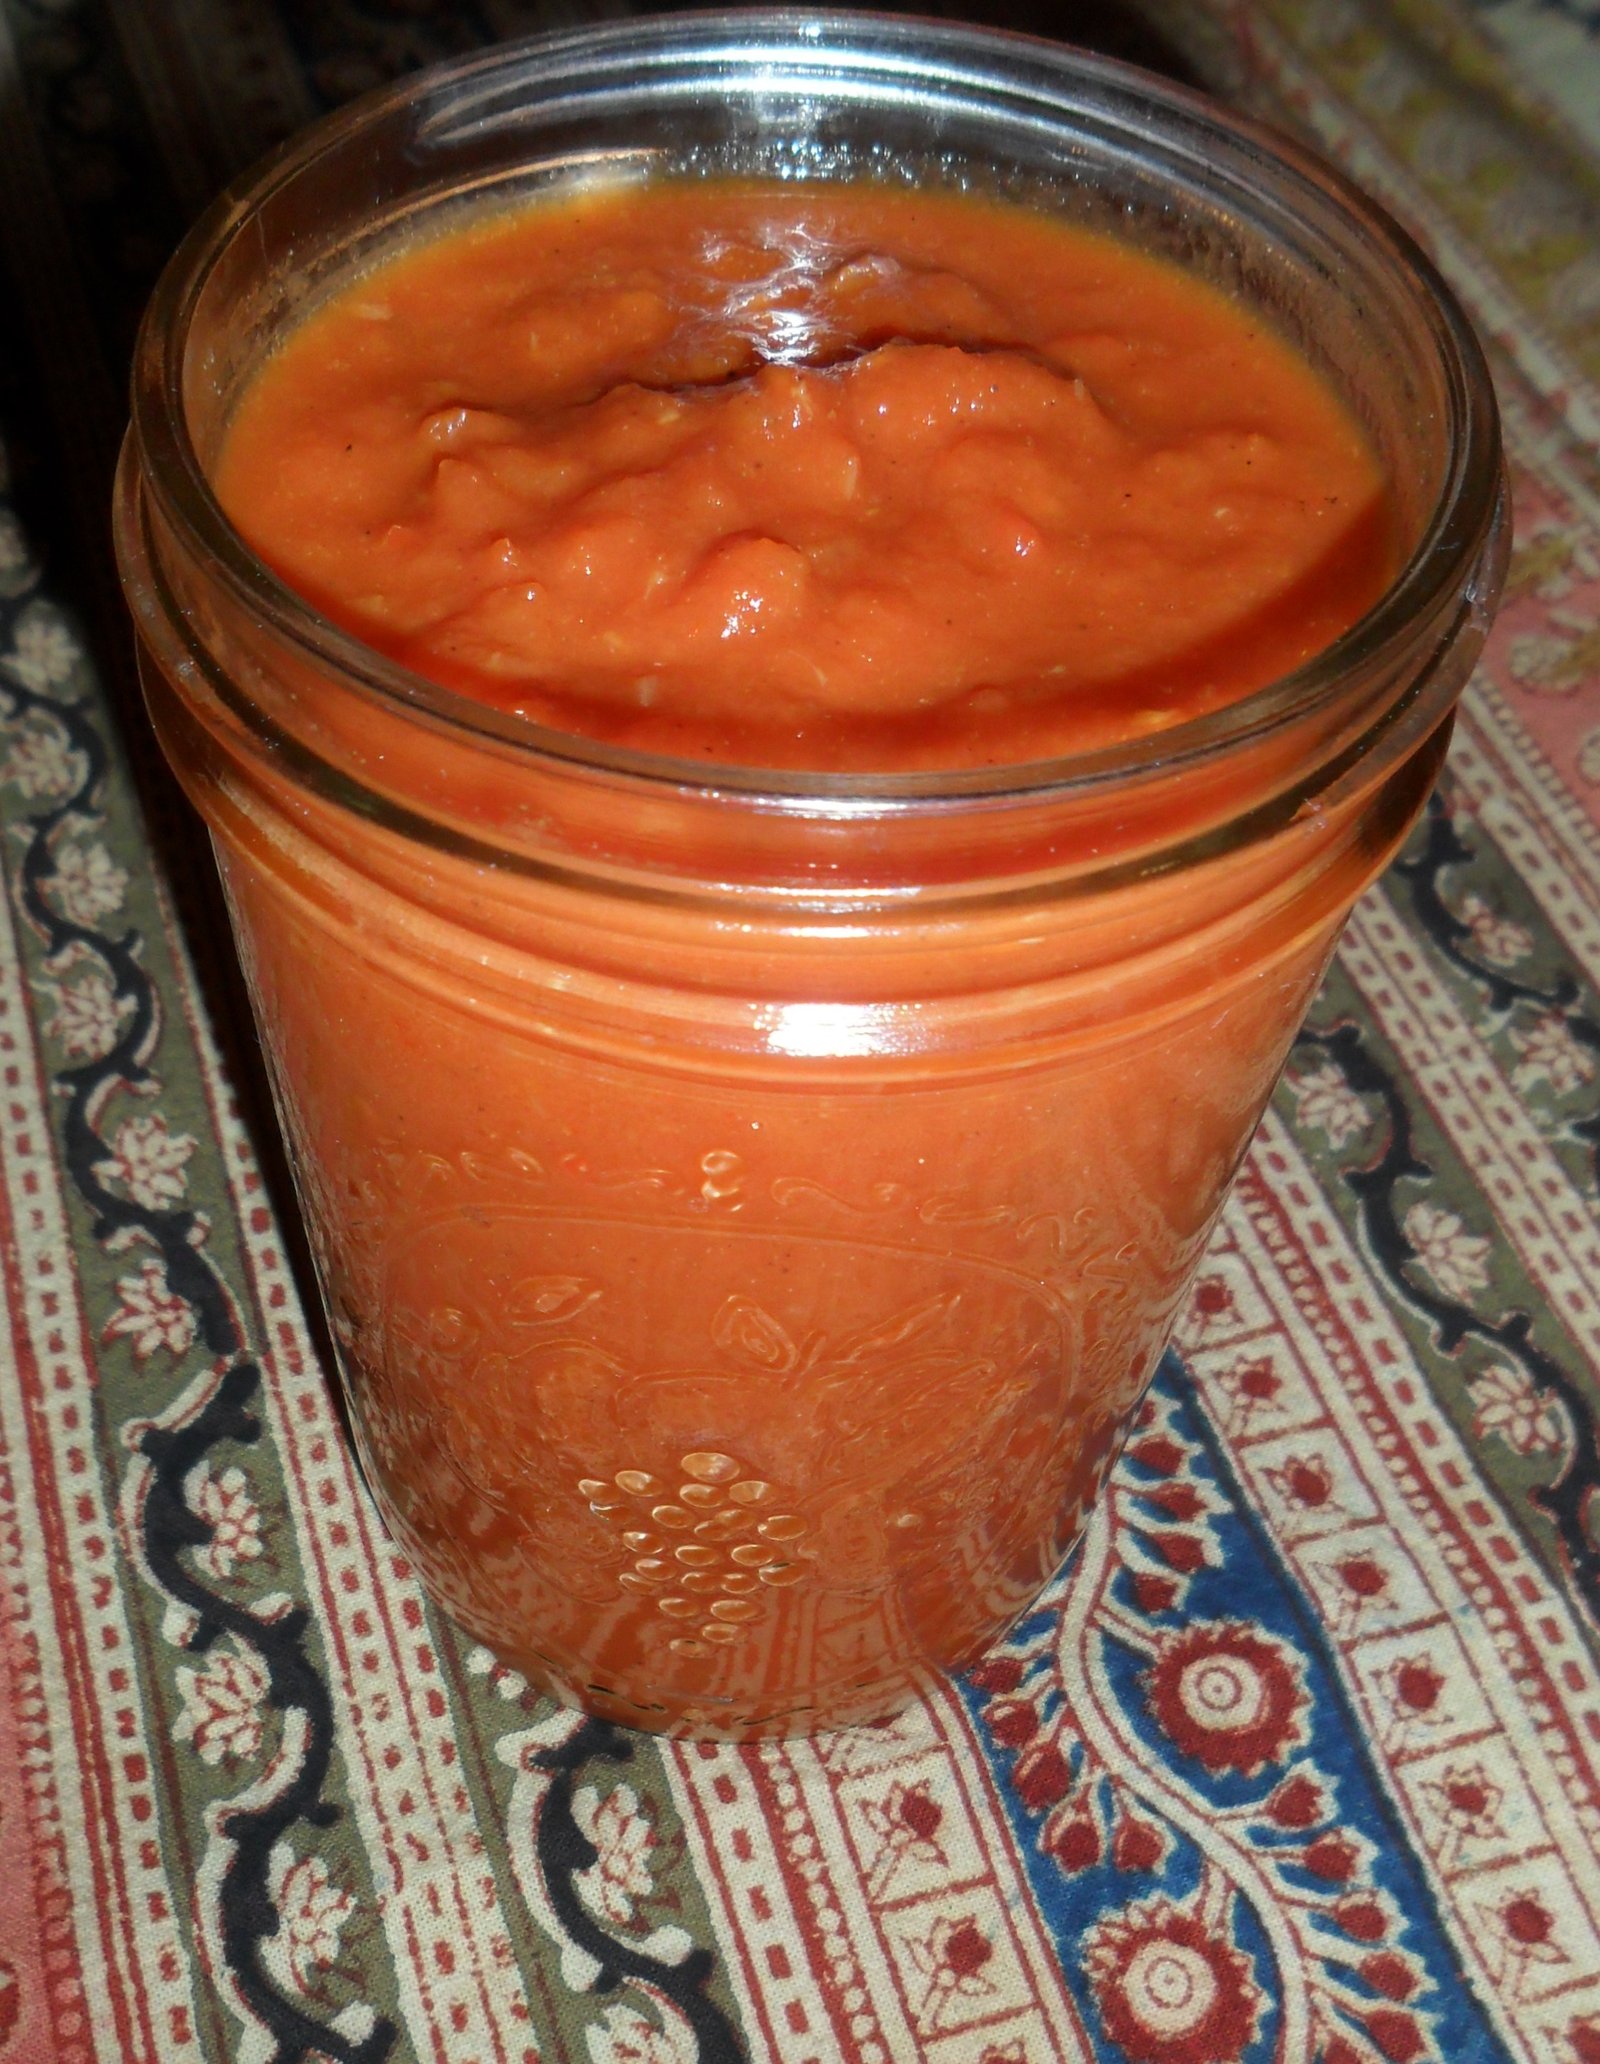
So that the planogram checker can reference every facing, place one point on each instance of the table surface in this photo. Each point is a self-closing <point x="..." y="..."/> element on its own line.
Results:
<point x="1300" y="1762"/>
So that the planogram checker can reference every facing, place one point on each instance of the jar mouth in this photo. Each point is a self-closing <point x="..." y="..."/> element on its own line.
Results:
<point x="801" y="56"/>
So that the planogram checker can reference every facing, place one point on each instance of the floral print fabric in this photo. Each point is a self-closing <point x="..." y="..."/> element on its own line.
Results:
<point x="1298" y="1761"/>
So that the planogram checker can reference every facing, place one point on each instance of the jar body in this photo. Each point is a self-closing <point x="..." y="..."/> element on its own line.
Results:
<point x="731" y="1356"/>
<point x="739" y="1398"/>
<point x="749" y="1210"/>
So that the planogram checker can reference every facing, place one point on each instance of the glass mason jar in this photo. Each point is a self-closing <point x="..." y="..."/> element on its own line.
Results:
<point x="750" y="1205"/>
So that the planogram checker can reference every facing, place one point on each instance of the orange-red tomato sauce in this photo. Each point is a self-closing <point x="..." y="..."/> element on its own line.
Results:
<point x="821" y="476"/>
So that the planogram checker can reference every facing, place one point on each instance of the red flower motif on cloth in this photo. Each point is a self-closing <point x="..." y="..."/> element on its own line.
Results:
<point x="623" y="1838"/>
<point x="1159" y="1453"/>
<point x="1354" y="1587"/>
<point x="1394" y="1975"/>
<point x="1333" y="1858"/>
<point x="149" y="1160"/>
<point x="1138" y="1845"/>
<point x="1397" y="2035"/>
<point x="312" y="1910"/>
<point x="953" y="1959"/>
<point x="1256" y="1380"/>
<point x="1298" y="1802"/>
<point x="906" y="1821"/>
<point x="222" y="1705"/>
<point x="1250" y="1383"/>
<point x="1072" y="1836"/>
<point x="234" y="1517"/>
<point x="1527" y="1929"/>
<point x="1415" y="1691"/>
<point x="1042" y="1776"/>
<point x="1362" y="1576"/>
<point x="997" y="1674"/>
<point x="1417" y="1685"/>
<point x="1366" y="1918"/>
<point x="1211" y="1305"/>
<point x="1168" y="1989"/>
<point x="1466" y="1801"/>
<point x="1013" y="1722"/>
<point x="1228" y="1695"/>
<point x="150" y="1315"/>
<point x="1305" y="1481"/>
<point x="1155" y="1594"/>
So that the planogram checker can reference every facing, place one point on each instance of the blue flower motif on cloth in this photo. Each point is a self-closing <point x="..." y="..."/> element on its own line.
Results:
<point x="1205" y="1832"/>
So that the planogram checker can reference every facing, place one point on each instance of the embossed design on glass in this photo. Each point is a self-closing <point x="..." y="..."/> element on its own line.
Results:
<point x="707" y="1554"/>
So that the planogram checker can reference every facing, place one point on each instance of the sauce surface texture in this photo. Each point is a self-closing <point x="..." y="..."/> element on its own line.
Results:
<point x="815" y="475"/>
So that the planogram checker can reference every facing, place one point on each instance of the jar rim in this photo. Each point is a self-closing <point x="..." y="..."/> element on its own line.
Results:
<point x="816" y="45"/>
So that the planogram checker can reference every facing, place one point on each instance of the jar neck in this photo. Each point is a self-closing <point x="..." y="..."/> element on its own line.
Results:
<point x="1014" y="968"/>
<point x="834" y="847"/>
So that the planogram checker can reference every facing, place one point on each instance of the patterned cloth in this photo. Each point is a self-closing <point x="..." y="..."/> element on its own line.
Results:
<point x="1299" y="1763"/>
